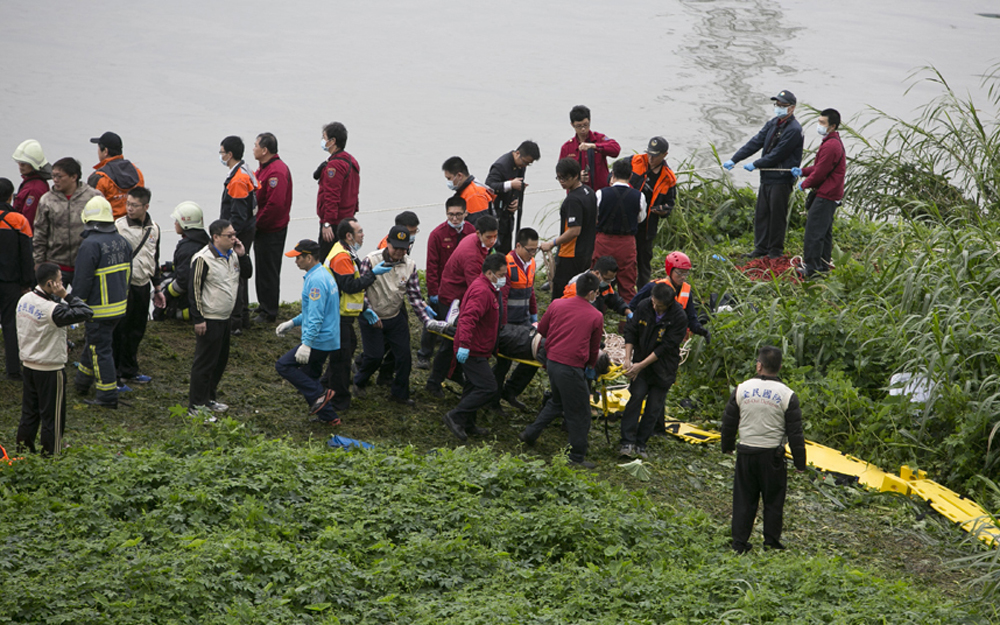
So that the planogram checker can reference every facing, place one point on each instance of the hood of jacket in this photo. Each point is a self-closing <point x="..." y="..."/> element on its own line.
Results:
<point x="122" y="172"/>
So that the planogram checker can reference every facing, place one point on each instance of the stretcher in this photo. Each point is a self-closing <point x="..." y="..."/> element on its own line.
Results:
<point x="533" y="363"/>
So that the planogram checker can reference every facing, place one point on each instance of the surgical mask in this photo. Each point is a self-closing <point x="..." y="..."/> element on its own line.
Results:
<point x="322" y="145"/>
<point x="356" y="246"/>
<point x="413" y="238"/>
<point x="451" y="185"/>
<point x="501" y="282"/>
<point x="222" y="159"/>
<point x="780" y="111"/>
<point x="457" y="226"/>
<point x="822" y="130"/>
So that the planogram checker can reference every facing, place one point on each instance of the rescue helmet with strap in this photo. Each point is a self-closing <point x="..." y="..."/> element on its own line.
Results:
<point x="676" y="260"/>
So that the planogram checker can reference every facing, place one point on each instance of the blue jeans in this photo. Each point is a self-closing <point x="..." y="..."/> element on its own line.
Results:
<point x="305" y="378"/>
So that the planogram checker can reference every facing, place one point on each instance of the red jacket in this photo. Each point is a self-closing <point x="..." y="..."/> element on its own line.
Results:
<point x="274" y="197"/>
<point x="606" y="146"/>
<point x="338" y="189"/>
<point x="573" y="329"/>
<point x="32" y="188"/>
<point x="479" y="318"/>
<point x="464" y="266"/>
<point x="826" y="174"/>
<point x="440" y="246"/>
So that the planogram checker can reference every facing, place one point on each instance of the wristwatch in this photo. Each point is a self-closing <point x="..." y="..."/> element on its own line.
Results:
<point x="326" y="225"/>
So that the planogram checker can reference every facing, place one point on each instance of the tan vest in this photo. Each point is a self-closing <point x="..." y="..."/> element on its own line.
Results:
<point x="215" y="292"/>
<point x="143" y="263"/>
<point x="388" y="293"/>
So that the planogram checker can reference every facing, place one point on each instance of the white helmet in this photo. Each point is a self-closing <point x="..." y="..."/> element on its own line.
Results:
<point x="97" y="210"/>
<point x="30" y="152"/>
<point x="188" y="215"/>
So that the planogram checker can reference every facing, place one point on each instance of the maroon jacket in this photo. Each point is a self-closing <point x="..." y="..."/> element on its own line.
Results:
<point x="464" y="266"/>
<point x="573" y="329"/>
<point x="274" y="197"/>
<point x="826" y="174"/>
<point x="606" y="146"/>
<point x="32" y="188"/>
<point x="479" y="318"/>
<point x="339" y="184"/>
<point x="440" y="246"/>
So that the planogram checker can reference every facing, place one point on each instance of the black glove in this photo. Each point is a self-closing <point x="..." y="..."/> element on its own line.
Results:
<point x="708" y="336"/>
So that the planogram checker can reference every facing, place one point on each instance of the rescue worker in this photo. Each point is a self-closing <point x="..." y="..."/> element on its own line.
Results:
<point x="57" y="229"/>
<point x="590" y="149"/>
<point x="189" y="223"/>
<point x="653" y="339"/>
<point x="678" y="267"/>
<point x="103" y="269"/>
<point x="577" y="223"/>
<point x="43" y="314"/>
<point x="506" y="180"/>
<point x="35" y="173"/>
<point x="320" y="323"/>
<point x="477" y="197"/>
<point x="476" y="334"/>
<point x="16" y="273"/>
<point x="656" y="181"/>
<point x="239" y="207"/>
<point x="520" y="308"/>
<point x="780" y="145"/>
<point x="620" y="210"/>
<point x="607" y="298"/>
<point x="143" y="235"/>
<point x="411" y="221"/>
<point x="767" y="416"/>
<point x="274" y="205"/>
<point x="114" y="175"/>
<point x="339" y="181"/>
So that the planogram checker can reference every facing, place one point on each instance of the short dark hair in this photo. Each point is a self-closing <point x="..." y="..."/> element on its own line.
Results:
<point x="622" y="168"/>
<point x="832" y="117"/>
<point x="408" y="219"/>
<point x="524" y="235"/>
<point x="530" y="149"/>
<point x="586" y="284"/>
<point x="663" y="292"/>
<point x="345" y="227"/>
<point x="455" y="165"/>
<point x="338" y="132"/>
<point x="494" y="262"/>
<point x="140" y="193"/>
<point x="769" y="358"/>
<point x="6" y="190"/>
<point x="268" y="141"/>
<point x="233" y="144"/>
<point x="455" y="200"/>
<point x="45" y="272"/>
<point x="487" y="223"/>
<point x="578" y="113"/>
<point x="216" y="227"/>
<point x="605" y="264"/>
<point x="69" y="166"/>
<point x="568" y="168"/>
<point x="111" y="151"/>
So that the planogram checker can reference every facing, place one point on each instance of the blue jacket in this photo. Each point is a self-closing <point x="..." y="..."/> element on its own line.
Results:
<point x="783" y="151"/>
<point x="320" y="317"/>
<point x="103" y="270"/>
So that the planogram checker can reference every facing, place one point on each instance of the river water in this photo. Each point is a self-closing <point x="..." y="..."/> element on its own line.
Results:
<point x="417" y="82"/>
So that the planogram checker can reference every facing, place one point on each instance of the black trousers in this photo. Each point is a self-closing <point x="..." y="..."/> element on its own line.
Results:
<point x="519" y="380"/>
<point x="770" y="219"/>
<point x="241" y="310"/>
<point x="643" y="256"/>
<point x="267" y="269"/>
<point x="760" y="474"/>
<point x="338" y="373"/>
<point x="817" y="246"/>
<point x="43" y="400"/>
<point x="505" y="232"/>
<point x="444" y="357"/>
<point x="326" y="246"/>
<point x="566" y="269"/>
<point x="211" y="355"/>
<point x="429" y="340"/>
<point x="130" y="330"/>
<point x="305" y="378"/>
<point x="649" y="388"/>
<point x="478" y="391"/>
<point x="10" y="294"/>
<point x="395" y="335"/>
<point x="97" y="361"/>
<point x="570" y="400"/>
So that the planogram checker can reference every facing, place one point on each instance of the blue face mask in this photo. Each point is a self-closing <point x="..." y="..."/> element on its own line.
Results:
<point x="322" y="145"/>
<point x="501" y="282"/>
<point x="222" y="159"/>
<point x="451" y="185"/>
<point x="822" y="130"/>
<point x="780" y="111"/>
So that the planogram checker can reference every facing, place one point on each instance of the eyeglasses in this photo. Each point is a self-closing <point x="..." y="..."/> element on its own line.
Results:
<point x="133" y="205"/>
<point x="231" y="235"/>
<point x="531" y="250"/>
<point x="455" y="215"/>
<point x="561" y="178"/>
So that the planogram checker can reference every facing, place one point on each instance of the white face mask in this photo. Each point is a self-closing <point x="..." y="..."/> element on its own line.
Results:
<point x="451" y="185"/>
<point x="457" y="226"/>
<point x="780" y="111"/>
<point x="822" y="130"/>
<point x="222" y="159"/>
<point x="501" y="282"/>
<point x="356" y="246"/>
<point x="322" y="145"/>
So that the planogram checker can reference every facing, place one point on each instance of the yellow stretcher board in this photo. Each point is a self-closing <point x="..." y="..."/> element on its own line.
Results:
<point x="533" y="363"/>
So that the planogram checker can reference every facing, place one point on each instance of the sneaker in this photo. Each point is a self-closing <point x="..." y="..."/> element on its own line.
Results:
<point x="640" y="450"/>
<point x="216" y="406"/>
<point x="358" y="392"/>
<point x="423" y="363"/>
<point x="454" y="427"/>
<point x="321" y="402"/>
<point x="124" y="388"/>
<point x="626" y="450"/>
<point x="583" y="465"/>
<point x="139" y="379"/>
<point x="263" y="319"/>
<point x="236" y="332"/>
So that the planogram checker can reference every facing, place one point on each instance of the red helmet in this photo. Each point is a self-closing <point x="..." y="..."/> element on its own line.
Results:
<point x="676" y="260"/>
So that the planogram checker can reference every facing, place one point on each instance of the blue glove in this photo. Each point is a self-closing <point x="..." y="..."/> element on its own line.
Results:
<point x="729" y="164"/>
<point x="799" y="185"/>
<point x="462" y="355"/>
<point x="628" y="315"/>
<point x="380" y="268"/>
<point x="796" y="171"/>
<point x="433" y="299"/>
<point x="749" y="167"/>
<point x="534" y="318"/>
<point x="591" y="373"/>
<point x="370" y="316"/>
<point x="430" y="312"/>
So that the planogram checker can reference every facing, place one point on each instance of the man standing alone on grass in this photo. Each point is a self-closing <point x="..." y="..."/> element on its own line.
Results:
<point x="766" y="414"/>
<point x="274" y="204"/>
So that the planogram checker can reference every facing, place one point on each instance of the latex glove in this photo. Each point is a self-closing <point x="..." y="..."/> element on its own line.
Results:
<point x="283" y="328"/>
<point x="462" y="355"/>
<point x="433" y="299"/>
<point x="534" y="318"/>
<point x="729" y="165"/>
<point x="799" y="185"/>
<point x="708" y="336"/>
<point x="591" y="373"/>
<point x="380" y="269"/>
<point x="302" y="354"/>
<point x="796" y="171"/>
<point x="749" y="167"/>
<point x="430" y="312"/>
<point x="628" y="315"/>
<point x="370" y="316"/>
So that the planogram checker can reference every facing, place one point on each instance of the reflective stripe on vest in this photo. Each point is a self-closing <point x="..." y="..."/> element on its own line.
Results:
<point x="351" y="304"/>
<point x="517" y="278"/>
<point x="682" y="297"/>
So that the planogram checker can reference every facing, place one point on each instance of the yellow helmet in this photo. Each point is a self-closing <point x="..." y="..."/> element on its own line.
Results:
<point x="30" y="152"/>
<point x="188" y="215"/>
<point x="97" y="210"/>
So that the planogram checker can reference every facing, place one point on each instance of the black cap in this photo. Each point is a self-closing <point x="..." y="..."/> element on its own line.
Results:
<point x="785" y="97"/>
<point x="399" y="237"/>
<point x="108" y="140"/>
<point x="305" y="246"/>
<point x="657" y="145"/>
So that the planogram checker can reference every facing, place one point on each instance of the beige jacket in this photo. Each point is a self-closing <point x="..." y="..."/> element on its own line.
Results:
<point x="144" y="263"/>
<point x="58" y="226"/>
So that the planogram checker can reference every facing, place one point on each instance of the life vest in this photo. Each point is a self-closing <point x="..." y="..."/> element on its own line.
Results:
<point x="666" y="180"/>
<point x="521" y="283"/>
<point x="570" y="290"/>
<point x="339" y="260"/>
<point x="683" y="296"/>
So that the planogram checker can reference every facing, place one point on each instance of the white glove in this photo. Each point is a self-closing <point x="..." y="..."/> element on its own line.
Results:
<point x="283" y="328"/>
<point x="302" y="354"/>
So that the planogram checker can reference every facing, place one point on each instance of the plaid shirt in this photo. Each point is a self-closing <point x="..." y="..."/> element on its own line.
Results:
<point x="412" y="292"/>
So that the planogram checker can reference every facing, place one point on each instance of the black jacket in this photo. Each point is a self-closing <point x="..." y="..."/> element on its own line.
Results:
<point x="781" y="148"/>
<point x="16" y="262"/>
<point x="501" y="171"/>
<point x="192" y="241"/>
<point x="663" y="337"/>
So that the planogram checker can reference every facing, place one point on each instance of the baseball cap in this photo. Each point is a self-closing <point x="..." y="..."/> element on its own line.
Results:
<point x="305" y="246"/>
<point x="657" y="145"/>
<point x="108" y="140"/>
<point x="399" y="237"/>
<point x="785" y="97"/>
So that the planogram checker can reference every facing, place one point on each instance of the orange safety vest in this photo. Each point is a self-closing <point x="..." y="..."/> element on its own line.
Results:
<point x="516" y="277"/>
<point x="570" y="291"/>
<point x="683" y="296"/>
<point x="667" y="179"/>
<point x="477" y="197"/>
